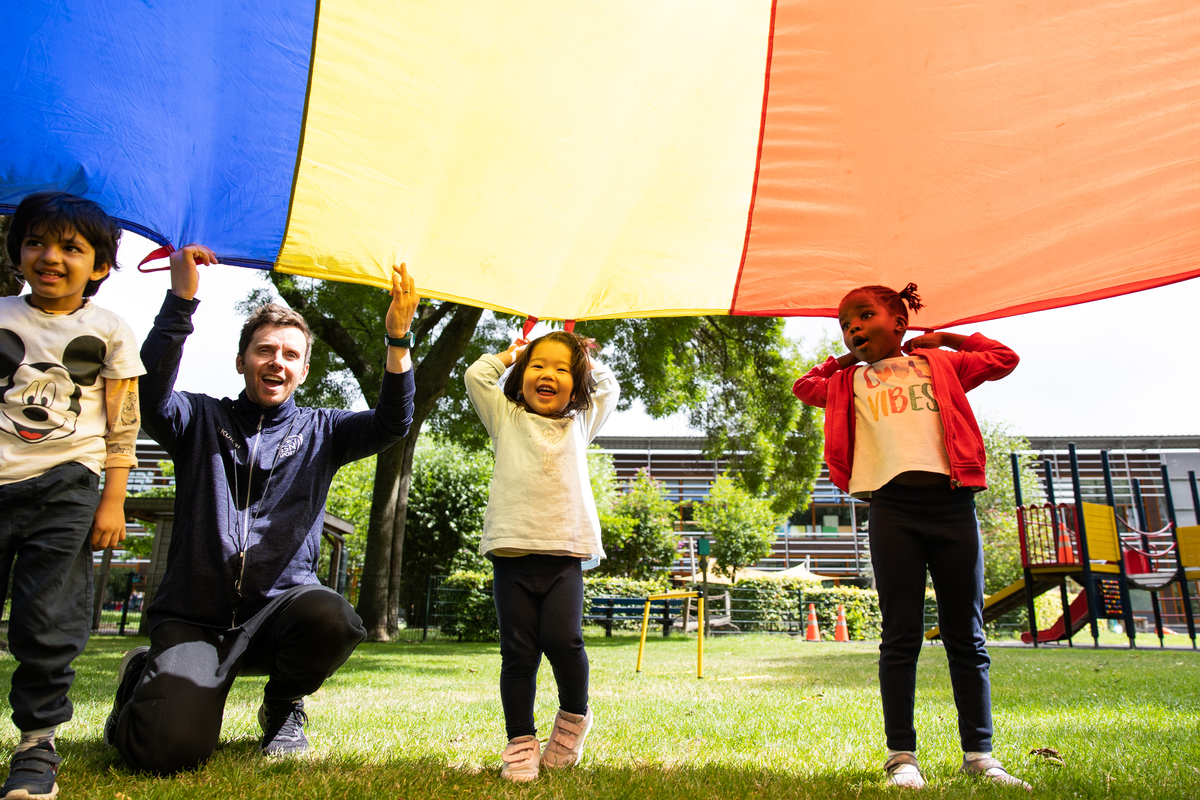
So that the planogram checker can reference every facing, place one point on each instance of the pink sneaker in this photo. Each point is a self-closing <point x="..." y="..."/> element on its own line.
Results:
<point x="565" y="747"/>
<point x="991" y="769"/>
<point x="903" y="770"/>
<point x="522" y="758"/>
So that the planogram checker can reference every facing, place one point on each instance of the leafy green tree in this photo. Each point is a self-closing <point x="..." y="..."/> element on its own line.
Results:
<point x="742" y="526"/>
<point x="734" y="374"/>
<point x="348" y="319"/>
<point x="997" y="506"/>
<point x="350" y="498"/>
<point x="606" y="492"/>
<point x="446" y="504"/>
<point x="639" y="531"/>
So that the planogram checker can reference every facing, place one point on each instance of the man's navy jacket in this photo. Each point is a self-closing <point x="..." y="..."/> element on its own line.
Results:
<point x="247" y="479"/>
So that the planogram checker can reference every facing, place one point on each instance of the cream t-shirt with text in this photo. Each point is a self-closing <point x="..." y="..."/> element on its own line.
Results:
<point x="898" y="424"/>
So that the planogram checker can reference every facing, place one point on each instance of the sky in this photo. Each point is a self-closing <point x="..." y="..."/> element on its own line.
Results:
<point x="1108" y="368"/>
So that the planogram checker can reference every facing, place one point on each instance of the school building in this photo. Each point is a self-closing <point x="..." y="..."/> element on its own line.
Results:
<point x="830" y="535"/>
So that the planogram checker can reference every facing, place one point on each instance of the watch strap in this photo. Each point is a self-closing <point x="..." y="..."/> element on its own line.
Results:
<point x="406" y="341"/>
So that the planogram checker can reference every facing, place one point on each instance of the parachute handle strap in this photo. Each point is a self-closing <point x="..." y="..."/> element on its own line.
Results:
<point x="154" y="255"/>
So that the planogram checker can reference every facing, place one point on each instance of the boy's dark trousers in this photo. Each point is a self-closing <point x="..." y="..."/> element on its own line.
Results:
<point x="539" y="603"/>
<point x="172" y="700"/>
<point x="913" y="528"/>
<point x="45" y="525"/>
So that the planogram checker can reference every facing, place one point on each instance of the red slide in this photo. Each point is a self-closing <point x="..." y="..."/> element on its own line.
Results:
<point x="1079" y="618"/>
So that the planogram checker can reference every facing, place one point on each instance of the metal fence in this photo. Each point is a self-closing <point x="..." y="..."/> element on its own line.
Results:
<point x="429" y="612"/>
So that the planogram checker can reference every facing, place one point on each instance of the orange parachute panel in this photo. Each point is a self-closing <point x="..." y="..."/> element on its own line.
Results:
<point x="1006" y="157"/>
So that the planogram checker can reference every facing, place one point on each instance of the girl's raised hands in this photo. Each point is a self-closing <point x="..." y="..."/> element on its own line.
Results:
<point x="514" y="350"/>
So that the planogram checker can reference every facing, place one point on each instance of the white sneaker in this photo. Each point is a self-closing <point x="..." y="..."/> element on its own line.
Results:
<point x="903" y="770"/>
<point x="565" y="747"/>
<point x="993" y="770"/>
<point x="521" y="759"/>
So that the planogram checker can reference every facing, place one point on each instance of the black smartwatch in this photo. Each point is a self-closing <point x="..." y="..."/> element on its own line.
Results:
<point x="406" y="341"/>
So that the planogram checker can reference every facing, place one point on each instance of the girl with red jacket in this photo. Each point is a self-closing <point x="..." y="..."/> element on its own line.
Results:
<point x="899" y="430"/>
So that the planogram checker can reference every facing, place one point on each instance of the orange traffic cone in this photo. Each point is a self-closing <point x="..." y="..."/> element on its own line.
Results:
<point x="840" y="634"/>
<point x="811" y="632"/>
<point x="1066" y="554"/>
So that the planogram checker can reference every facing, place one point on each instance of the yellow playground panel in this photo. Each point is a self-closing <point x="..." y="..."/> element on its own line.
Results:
<point x="1189" y="550"/>
<point x="1100" y="522"/>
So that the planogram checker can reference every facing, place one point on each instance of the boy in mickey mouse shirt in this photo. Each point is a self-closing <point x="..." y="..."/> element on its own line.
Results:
<point x="68" y="410"/>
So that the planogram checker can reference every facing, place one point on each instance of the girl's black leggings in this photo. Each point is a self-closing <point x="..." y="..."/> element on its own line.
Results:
<point x="914" y="528"/>
<point x="539" y="600"/>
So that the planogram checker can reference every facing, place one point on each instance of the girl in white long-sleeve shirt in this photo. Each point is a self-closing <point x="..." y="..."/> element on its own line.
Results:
<point x="540" y="526"/>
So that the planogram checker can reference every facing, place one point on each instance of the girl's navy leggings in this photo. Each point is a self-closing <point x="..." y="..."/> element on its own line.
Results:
<point x="914" y="528"/>
<point x="539" y="600"/>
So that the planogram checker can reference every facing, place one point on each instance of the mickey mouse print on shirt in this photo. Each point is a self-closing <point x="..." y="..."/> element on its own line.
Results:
<point x="40" y="401"/>
<point x="53" y="372"/>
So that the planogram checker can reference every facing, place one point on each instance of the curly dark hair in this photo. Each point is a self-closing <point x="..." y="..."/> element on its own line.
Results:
<point x="274" y="314"/>
<point x="898" y="303"/>
<point x="581" y="396"/>
<point x="57" y="213"/>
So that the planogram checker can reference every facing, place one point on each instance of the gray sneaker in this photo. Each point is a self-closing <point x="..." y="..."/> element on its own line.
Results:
<point x="991" y="769"/>
<point x="283" y="728"/>
<point x="131" y="668"/>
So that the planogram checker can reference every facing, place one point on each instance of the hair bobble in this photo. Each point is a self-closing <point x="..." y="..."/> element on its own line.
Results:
<point x="909" y="295"/>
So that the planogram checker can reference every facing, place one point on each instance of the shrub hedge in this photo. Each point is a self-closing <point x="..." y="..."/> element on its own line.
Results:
<point x="465" y="608"/>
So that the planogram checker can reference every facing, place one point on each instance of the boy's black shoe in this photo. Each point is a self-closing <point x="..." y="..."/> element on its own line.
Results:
<point x="128" y="674"/>
<point x="32" y="774"/>
<point x="283" y="728"/>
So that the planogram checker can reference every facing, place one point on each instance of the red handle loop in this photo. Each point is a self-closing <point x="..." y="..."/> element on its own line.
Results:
<point x="154" y="255"/>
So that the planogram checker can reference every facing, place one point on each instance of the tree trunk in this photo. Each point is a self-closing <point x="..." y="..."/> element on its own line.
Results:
<point x="408" y="449"/>
<point x="378" y="602"/>
<point x="377" y="560"/>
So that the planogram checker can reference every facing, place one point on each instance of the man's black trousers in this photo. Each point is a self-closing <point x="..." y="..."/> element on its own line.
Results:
<point x="173" y="701"/>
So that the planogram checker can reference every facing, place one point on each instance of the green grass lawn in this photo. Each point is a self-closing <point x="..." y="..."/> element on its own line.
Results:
<point x="773" y="718"/>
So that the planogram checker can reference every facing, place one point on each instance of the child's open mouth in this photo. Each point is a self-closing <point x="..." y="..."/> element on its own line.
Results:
<point x="546" y="391"/>
<point x="859" y="341"/>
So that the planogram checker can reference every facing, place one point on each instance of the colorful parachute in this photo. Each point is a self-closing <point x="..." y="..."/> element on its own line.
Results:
<point x="571" y="159"/>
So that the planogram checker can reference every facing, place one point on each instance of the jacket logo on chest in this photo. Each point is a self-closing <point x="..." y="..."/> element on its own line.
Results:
<point x="229" y="436"/>
<point x="290" y="445"/>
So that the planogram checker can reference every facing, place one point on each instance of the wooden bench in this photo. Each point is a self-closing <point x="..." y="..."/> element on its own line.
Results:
<point x="607" y="610"/>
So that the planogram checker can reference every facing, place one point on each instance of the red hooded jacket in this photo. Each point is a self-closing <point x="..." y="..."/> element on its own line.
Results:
<point x="831" y="387"/>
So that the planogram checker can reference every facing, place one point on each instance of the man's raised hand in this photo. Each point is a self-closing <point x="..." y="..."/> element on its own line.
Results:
<point x="404" y="302"/>
<point x="185" y="278"/>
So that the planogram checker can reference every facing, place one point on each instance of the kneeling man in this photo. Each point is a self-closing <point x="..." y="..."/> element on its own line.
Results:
<point x="240" y="595"/>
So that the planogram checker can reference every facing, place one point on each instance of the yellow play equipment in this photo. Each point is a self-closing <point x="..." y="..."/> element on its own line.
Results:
<point x="668" y="596"/>
<point x="1082" y="541"/>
